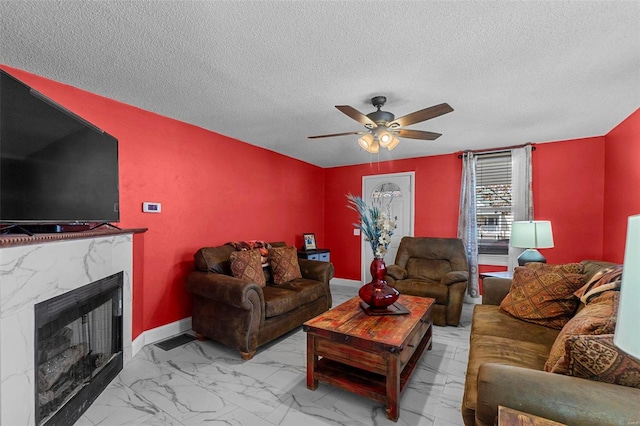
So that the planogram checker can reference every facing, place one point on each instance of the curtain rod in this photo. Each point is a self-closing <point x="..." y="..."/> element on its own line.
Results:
<point x="504" y="148"/>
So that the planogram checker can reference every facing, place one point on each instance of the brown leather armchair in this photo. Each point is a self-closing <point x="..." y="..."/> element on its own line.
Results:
<point x="432" y="267"/>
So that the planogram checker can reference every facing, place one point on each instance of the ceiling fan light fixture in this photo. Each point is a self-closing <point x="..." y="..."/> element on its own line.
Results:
<point x="384" y="136"/>
<point x="366" y="142"/>
<point x="374" y="148"/>
<point x="394" y="142"/>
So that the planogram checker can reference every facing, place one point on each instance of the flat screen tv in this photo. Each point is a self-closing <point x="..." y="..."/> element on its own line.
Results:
<point x="55" y="167"/>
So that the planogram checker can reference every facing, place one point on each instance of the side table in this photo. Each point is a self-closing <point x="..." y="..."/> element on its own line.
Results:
<point x="317" y="254"/>
<point x="497" y="274"/>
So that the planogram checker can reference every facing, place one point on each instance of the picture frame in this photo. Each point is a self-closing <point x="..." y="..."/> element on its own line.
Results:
<point x="309" y="241"/>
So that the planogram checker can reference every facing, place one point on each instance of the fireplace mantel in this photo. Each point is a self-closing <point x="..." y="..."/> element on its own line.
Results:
<point x="12" y="240"/>
<point x="37" y="268"/>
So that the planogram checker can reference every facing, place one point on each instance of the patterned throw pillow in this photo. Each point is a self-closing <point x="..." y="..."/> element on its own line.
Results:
<point x="246" y="264"/>
<point x="598" y="358"/>
<point x="598" y="317"/>
<point x="604" y="280"/>
<point x="543" y="295"/>
<point x="566" y="268"/>
<point x="284" y="264"/>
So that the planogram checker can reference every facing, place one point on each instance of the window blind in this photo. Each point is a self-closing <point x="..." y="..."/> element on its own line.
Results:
<point x="493" y="202"/>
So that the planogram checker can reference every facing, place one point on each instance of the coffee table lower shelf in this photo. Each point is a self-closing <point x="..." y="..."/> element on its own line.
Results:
<point x="362" y="382"/>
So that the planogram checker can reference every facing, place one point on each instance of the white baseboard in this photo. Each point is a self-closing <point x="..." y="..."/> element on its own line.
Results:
<point x="160" y="333"/>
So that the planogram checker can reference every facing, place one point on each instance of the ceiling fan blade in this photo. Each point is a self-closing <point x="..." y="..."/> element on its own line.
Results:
<point x="336" y="134"/>
<point x="418" y="134"/>
<point x="357" y="115"/>
<point x="422" y="115"/>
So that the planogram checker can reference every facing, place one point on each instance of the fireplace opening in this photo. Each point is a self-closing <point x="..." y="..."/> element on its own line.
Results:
<point x="78" y="349"/>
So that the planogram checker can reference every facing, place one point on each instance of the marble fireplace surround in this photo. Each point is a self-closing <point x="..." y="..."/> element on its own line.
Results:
<point x="34" y="269"/>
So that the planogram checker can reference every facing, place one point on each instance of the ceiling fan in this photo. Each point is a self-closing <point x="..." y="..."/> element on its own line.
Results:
<point x="382" y="126"/>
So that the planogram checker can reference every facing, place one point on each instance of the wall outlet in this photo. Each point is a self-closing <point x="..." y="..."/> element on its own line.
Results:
<point x="149" y="207"/>
<point x="356" y="231"/>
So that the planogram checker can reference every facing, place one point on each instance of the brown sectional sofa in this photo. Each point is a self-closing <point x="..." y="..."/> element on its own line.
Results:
<point x="242" y="314"/>
<point x="506" y="367"/>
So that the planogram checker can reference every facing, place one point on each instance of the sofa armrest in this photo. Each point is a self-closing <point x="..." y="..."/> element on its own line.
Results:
<point x="557" y="397"/>
<point x="454" y="277"/>
<point x="316" y="270"/>
<point x="494" y="290"/>
<point x="396" y="272"/>
<point x="224" y="289"/>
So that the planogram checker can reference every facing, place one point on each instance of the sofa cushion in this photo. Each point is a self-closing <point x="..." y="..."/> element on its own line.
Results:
<point x="284" y="264"/>
<point x="596" y="357"/>
<point x="247" y="265"/>
<point x="591" y="267"/>
<point x="427" y="269"/>
<point x="280" y="299"/>
<point x="598" y="317"/>
<point x="544" y="294"/>
<point x="490" y="320"/>
<point x="484" y="348"/>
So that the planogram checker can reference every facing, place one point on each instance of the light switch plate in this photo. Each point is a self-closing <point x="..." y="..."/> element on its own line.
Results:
<point x="149" y="207"/>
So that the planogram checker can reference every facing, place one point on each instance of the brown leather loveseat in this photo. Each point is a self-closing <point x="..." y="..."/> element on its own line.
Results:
<point x="508" y="359"/>
<point x="245" y="315"/>
<point x="432" y="267"/>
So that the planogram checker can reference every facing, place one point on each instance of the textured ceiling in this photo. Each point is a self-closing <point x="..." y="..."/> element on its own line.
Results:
<point x="270" y="72"/>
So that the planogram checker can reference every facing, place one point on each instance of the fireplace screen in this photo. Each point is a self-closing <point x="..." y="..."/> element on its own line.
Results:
<point x="78" y="349"/>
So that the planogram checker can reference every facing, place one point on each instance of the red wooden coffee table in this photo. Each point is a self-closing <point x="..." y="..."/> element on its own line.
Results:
<point x="373" y="356"/>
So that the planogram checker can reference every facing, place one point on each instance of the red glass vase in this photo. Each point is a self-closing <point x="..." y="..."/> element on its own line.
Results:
<point x="378" y="294"/>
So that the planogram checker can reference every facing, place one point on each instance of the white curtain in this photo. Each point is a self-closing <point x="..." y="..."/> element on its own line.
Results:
<point x="521" y="194"/>
<point x="467" y="221"/>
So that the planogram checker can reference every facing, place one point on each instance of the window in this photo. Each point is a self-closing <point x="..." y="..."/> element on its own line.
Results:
<point x="493" y="202"/>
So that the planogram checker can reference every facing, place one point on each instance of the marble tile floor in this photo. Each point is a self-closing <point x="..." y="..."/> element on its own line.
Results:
<point x="207" y="383"/>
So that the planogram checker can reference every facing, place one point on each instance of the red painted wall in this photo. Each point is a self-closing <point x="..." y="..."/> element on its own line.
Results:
<point x="568" y="185"/>
<point x="437" y="196"/>
<point x="622" y="184"/>
<point x="568" y="190"/>
<point x="213" y="189"/>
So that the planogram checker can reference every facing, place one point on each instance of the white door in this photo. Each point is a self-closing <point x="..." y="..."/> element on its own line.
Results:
<point x="395" y="193"/>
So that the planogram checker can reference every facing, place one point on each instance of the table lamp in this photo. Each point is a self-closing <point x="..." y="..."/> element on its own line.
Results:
<point x="531" y="235"/>
<point x="626" y="335"/>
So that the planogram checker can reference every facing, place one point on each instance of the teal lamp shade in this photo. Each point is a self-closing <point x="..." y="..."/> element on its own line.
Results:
<point x="531" y="235"/>
<point x="626" y="335"/>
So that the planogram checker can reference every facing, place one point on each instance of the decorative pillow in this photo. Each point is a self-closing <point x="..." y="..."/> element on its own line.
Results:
<point x="598" y="317"/>
<point x="603" y="280"/>
<point x="566" y="268"/>
<point x="543" y="295"/>
<point x="263" y="246"/>
<point x="246" y="264"/>
<point x="284" y="264"/>
<point x="598" y="358"/>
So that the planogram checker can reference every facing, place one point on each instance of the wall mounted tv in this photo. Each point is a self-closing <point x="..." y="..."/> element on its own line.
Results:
<point x="55" y="167"/>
